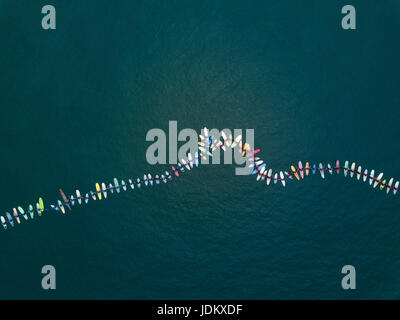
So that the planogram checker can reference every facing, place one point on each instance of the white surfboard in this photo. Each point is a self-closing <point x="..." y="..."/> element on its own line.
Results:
<point x="353" y="166"/>
<point x="269" y="175"/>
<point x="365" y="175"/>
<point x="396" y="187"/>
<point x="282" y="176"/>
<point x="321" y="170"/>
<point x="359" y="171"/>
<point x="104" y="188"/>
<point x="371" y="176"/>
<point x="260" y="173"/>
<point x="78" y="196"/>
<point x="378" y="179"/>
<point x="389" y="186"/>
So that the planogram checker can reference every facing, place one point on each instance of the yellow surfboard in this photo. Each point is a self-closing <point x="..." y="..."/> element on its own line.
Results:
<point x="307" y="168"/>
<point x="98" y="191"/>
<point x="41" y="205"/>
<point x="295" y="172"/>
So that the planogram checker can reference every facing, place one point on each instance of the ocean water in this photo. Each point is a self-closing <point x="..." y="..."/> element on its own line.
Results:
<point x="76" y="104"/>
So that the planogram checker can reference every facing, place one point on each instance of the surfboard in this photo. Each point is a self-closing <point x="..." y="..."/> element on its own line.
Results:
<point x="260" y="173"/>
<point x="262" y="166"/>
<point x="111" y="188"/>
<point x="98" y="190"/>
<point x="214" y="147"/>
<point x="138" y="183"/>
<point x="321" y="170"/>
<point x="236" y="141"/>
<point x="229" y="141"/>
<point x="371" y="176"/>
<point x="301" y="169"/>
<point x="87" y="198"/>
<point x="330" y="169"/>
<point x="22" y="212"/>
<point x="16" y="216"/>
<point x="346" y="168"/>
<point x="93" y="195"/>
<point x="31" y="211"/>
<point x="10" y="219"/>
<point x="294" y="172"/>
<point x="314" y="169"/>
<point x="131" y="184"/>
<point x="185" y="164"/>
<point x="190" y="160"/>
<point x="174" y="171"/>
<point x="60" y="205"/>
<point x="383" y="184"/>
<point x="65" y="199"/>
<point x="116" y="184"/>
<point x="282" y="178"/>
<point x="41" y="205"/>
<point x="3" y="222"/>
<point x="307" y="168"/>
<point x="150" y="179"/>
<point x="78" y="196"/>
<point x="353" y="167"/>
<point x="378" y="179"/>
<point x="264" y="174"/>
<point x="275" y="178"/>
<point x="396" y="187"/>
<point x="365" y="175"/>
<point x="337" y="166"/>
<point x="123" y="185"/>
<point x="223" y="135"/>
<point x="359" y="172"/>
<point x="259" y="163"/>
<point x="389" y="186"/>
<point x="196" y="159"/>
<point x="244" y="148"/>
<point x="104" y="188"/>
<point x="269" y="176"/>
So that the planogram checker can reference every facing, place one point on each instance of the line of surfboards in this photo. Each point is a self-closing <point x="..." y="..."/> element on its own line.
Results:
<point x="206" y="144"/>
<point x="19" y="212"/>
<point x="300" y="172"/>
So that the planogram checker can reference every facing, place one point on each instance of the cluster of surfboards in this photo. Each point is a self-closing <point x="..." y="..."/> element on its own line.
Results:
<point x="300" y="172"/>
<point x="19" y="213"/>
<point x="206" y="144"/>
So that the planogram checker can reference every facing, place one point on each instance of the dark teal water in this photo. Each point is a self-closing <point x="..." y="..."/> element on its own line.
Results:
<point x="76" y="104"/>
